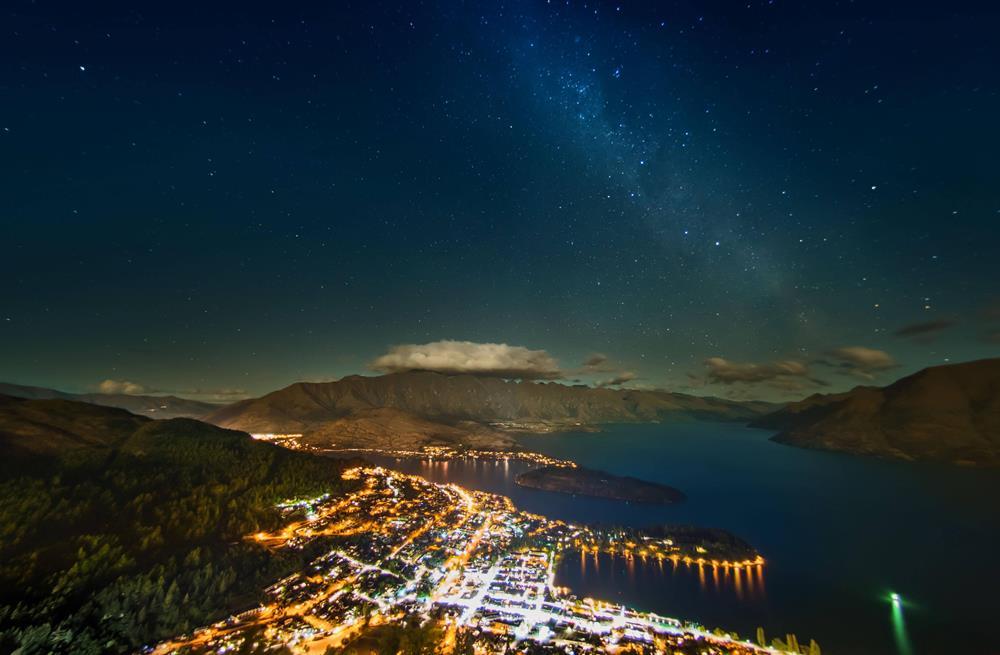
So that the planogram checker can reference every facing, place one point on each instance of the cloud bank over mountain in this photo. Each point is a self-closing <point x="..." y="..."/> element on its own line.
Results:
<point x="120" y="386"/>
<point x="468" y="357"/>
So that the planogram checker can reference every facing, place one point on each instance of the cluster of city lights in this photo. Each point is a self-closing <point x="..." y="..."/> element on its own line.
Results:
<point x="402" y="548"/>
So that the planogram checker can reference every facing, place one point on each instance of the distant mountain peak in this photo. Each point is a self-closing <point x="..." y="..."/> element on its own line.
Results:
<point x="943" y="413"/>
<point x="153" y="406"/>
<point x="446" y="400"/>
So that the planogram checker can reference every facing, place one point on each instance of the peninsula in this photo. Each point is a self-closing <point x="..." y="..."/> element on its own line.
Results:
<point x="599" y="484"/>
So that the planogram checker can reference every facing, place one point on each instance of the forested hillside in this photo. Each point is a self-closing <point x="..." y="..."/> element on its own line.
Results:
<point x="124" y="544"/>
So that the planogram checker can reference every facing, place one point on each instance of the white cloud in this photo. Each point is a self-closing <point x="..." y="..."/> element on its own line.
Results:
<point x="621" y="378"/>
<point x="224" y="395"/>
<point x="120" y="386"/>
<point x="727" y="372"/>
<point x="468" y="357"/>
<point x="861" y="361"/>
<point x="596" y="362"/>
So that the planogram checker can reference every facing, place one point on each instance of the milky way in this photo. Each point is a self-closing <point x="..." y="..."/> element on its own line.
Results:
<point x="243" y="196"/>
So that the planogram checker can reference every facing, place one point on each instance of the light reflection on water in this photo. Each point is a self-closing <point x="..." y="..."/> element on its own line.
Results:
<point x="899" y="628"/>
<point x="743" y="584"/>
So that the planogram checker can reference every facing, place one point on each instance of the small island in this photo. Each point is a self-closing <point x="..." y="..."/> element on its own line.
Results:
<point x="599" y="484"/>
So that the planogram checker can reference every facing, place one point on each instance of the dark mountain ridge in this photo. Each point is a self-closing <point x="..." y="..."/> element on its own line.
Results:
<point x="33" y="428"/>
<point x="945" y="413"/>
<point x="468" y="397"/>
<point x="153" y="406"/>
<point x="454" y="399"/>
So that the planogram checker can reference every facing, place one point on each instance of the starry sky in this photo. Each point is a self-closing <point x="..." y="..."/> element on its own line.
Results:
<point x="754" y="199"/>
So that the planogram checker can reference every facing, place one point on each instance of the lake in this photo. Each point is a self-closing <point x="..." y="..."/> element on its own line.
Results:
<point x="840" y="534"/>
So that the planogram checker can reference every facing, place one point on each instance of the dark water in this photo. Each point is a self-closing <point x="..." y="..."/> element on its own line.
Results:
<point x="839" y="534"/>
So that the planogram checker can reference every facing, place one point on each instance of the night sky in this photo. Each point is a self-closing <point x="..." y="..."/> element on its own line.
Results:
<point x="748" y="199"/>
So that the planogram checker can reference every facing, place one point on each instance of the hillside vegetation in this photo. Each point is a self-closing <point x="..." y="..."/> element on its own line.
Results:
<point x="118" y="531"/>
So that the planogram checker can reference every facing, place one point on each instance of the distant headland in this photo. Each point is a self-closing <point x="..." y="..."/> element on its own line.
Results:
<point x="599" y="484"/>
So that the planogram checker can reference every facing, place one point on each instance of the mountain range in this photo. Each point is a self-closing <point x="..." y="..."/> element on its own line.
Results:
<point x="408" y="410"/>
<point x="465" y="409"/>
<point x="153" y="406"/>
<point x="947" y="413"/>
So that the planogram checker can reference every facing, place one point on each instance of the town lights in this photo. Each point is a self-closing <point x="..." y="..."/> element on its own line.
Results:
<point x="441" y="546"/>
